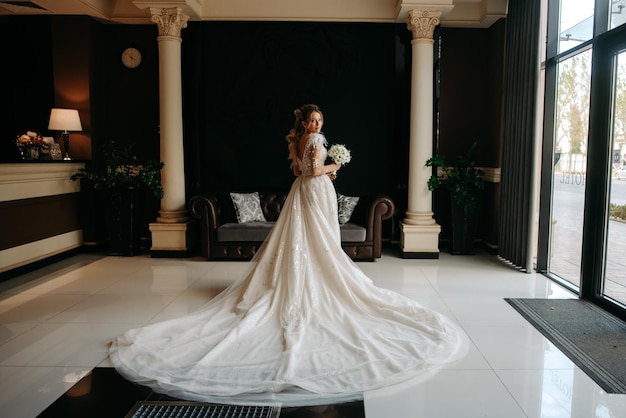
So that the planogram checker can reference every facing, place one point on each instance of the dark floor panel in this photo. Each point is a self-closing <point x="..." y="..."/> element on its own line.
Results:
<point x="103" y="393"/>
<point x="345" y="410"/>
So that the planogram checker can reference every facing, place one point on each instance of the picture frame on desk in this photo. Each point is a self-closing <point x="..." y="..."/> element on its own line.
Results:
<point x="44" y="151"/>
<point x="55" y="152"/>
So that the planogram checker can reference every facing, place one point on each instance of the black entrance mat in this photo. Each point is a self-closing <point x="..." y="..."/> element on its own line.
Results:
<point x="103" y="393"/>
<point x="589" y="336"/>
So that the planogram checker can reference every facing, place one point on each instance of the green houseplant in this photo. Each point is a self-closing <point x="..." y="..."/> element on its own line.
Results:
<point x="122" y="168"/>
<point x="465" y="182"/>
<point x="122" y="181"/>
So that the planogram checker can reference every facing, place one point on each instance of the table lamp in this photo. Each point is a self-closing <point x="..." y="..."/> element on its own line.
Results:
<point x="65" y="120"/>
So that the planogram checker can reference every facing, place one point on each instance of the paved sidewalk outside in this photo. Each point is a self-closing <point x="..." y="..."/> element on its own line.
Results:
<point x="565" y="260"/>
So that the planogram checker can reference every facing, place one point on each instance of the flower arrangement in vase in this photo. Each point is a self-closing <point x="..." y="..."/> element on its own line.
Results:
<point x="30" y="144"/>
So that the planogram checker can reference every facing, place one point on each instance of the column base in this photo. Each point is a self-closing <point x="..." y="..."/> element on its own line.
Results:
<point x="175" y="240"/>
<point x="172" y="216"/>
<point x="419" y="241"/>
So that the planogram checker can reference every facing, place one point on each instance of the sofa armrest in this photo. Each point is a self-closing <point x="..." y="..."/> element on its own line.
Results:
<point x="206" y="208"/>
<point x="370" y="212"/>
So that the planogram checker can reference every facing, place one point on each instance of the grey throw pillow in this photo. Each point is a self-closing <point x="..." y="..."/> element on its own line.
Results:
<point x="248" y="207"/>
<point x="345" y="207"/>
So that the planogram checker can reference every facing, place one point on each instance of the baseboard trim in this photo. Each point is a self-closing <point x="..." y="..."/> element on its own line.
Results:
<point x="170" y="253"/>
<point x="420" y="255"/>
<point x="35" y="265"/>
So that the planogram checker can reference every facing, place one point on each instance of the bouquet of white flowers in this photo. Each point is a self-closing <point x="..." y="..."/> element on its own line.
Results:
<point x="339" y="154"/>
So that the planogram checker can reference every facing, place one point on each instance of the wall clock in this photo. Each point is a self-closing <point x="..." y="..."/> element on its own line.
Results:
<point x="131" y="57"/>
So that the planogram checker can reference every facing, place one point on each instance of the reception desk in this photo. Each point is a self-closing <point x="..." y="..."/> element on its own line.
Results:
<point x="40" y="214"/>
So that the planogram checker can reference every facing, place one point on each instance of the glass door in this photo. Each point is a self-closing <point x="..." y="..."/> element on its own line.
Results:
<point x="582" y="213"/>
<point x="614" y="277"/>
<point x="570" y="167"/>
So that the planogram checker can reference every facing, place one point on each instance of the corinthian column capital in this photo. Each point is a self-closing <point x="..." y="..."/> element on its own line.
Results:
<point x="422" y="23"/>
<point x="169" y="21"/>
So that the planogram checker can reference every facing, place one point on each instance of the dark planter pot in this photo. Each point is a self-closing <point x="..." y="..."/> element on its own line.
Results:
<point x="123" y="208"/>
<point x="463" y="228"/>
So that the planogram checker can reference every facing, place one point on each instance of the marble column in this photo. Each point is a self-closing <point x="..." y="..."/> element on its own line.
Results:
<point x="419" y="231"/>
<point x="172" y="231"/>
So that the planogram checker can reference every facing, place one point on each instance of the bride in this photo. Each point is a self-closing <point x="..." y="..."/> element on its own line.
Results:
<point x="306" y="326"/>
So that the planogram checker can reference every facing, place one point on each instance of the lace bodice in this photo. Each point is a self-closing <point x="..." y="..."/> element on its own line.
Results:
<point x="314" y="154"/>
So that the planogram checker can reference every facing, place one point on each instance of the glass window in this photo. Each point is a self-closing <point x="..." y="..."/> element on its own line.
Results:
<point x="598" y="276"/>
<point x="614" y="285"/>
<point x="570" y="166"/>
<point x="618" y="13"/>
<point x="575" y="23"/>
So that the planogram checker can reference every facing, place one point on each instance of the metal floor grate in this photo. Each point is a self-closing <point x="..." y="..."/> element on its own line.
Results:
<point x="200" y="410"/>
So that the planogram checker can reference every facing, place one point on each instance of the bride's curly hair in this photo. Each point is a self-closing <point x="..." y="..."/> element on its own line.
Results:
<point x="302" y="114"/>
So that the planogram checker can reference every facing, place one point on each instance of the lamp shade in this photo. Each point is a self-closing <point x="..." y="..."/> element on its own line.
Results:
<point x="64" y="120"/>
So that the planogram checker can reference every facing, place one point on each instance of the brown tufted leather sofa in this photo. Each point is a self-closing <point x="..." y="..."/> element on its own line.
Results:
<point x="222" y="238"/>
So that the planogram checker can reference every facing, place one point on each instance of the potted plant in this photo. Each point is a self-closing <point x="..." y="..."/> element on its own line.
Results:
<point x="123" y="181"/>
<point x="464" y="181"/>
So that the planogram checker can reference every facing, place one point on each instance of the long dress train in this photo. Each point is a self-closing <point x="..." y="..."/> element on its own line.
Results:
<point x="305" y="326"/>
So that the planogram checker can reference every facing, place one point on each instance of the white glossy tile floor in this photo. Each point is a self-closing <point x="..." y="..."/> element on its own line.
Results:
<point x="55" y="325"/>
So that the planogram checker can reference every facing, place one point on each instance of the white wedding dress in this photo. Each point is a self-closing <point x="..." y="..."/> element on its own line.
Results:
<point x="306" y="326"/>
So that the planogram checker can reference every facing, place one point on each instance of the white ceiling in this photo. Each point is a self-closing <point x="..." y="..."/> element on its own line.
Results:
<point x="456" y="13"/>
